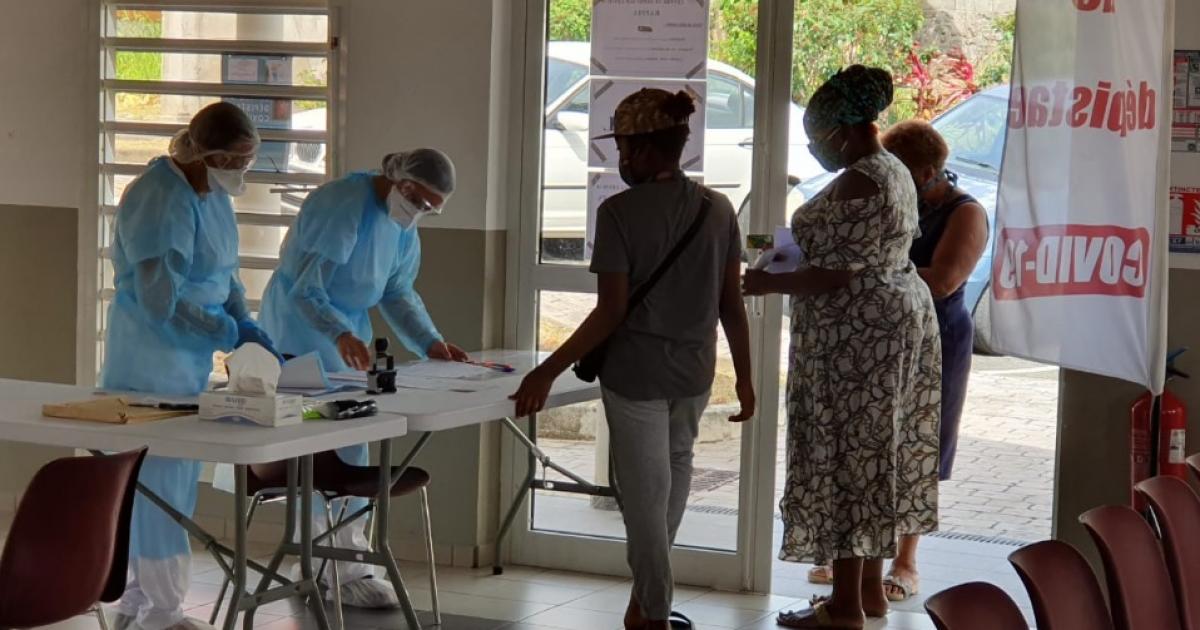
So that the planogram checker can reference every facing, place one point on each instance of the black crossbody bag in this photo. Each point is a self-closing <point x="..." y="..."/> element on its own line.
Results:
<point x="587" y="369"/>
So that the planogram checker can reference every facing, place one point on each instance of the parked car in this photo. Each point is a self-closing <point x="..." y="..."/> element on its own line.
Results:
<point x="728" y="143"/>
<point x="975" y="130"/>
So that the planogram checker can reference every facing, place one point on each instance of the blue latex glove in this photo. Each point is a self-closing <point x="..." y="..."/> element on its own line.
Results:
<point x="249" y="332"/>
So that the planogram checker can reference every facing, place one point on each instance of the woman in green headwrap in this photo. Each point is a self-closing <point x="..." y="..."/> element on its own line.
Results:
<point x="864" y="377"/>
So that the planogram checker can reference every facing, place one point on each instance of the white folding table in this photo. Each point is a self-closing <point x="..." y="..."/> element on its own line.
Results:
<point x="407" y="411"/>
<point x="188" y="437"/>
<point x="429" y="412"/>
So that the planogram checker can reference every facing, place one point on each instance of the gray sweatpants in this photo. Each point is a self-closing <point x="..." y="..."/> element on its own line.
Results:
<point x="652" y="455"/>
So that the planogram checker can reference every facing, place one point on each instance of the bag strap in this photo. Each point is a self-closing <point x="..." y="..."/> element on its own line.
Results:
<point x="642" y="291"/>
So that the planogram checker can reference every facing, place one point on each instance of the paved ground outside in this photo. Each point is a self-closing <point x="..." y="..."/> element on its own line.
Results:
<point x="1002" y="487"/>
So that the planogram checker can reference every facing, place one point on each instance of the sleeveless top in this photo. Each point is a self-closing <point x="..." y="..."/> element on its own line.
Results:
<point x="933" y="227"/>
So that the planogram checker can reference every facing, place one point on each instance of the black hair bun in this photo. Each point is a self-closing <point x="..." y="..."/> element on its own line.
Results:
<point x="680" y="106"/>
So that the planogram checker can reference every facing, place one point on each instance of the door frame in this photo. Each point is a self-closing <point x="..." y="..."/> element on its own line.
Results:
<point x="749" y="568"/>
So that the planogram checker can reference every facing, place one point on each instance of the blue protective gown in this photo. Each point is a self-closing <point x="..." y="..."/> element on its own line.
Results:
<point x="344" y="256"/>
<point x="178" y="300"/>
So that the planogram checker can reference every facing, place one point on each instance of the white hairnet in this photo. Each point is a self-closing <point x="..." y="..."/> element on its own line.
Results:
<point x="428" y="167"/>
<point x="215" y="129"/>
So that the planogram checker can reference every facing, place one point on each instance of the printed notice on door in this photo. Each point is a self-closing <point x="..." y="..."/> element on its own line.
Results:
<point x="650" y="38"/>
<point x="1185" y="126"/>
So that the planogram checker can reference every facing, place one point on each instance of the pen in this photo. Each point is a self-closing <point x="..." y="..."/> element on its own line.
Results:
<point x="492" y="365"/>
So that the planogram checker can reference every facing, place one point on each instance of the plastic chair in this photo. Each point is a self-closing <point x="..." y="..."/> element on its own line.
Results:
<point x="975" y="606"/>
<point x="68" y="548"/>
<point x="335" y="479"/>
<point x="1139" y="586"/>
<point x="1062" y="587"/>
<point x="1177" y="510"/>
<point x="1193" y="463"/>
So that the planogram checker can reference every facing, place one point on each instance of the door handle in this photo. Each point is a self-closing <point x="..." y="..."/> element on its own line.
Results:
<point x="748" y="143"/>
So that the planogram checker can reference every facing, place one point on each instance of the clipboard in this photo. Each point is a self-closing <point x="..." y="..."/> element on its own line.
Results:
<point x="109" y="410"/>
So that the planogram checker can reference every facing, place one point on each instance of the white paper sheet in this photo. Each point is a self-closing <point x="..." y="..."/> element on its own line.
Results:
<point x="439" y="384"/>
<point x="305" y="373"/>
<point x="442" y="369"/>
<point x="785" y="257"/>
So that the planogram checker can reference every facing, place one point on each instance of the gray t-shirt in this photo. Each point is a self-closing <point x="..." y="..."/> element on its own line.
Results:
<point x="667" y="348"/>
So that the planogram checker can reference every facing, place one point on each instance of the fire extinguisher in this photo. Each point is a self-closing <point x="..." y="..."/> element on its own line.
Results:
<point x="1158" y="435"/>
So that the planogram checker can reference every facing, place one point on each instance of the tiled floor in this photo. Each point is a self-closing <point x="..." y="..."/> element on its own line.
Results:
<point x="534" y="599"/>
<point x="1003" y="477"/>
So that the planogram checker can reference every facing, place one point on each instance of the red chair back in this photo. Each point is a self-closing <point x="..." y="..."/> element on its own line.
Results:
<point x="1177" y="510"/>
<point x="975" y="606"/>
<point x="69" y="541"/>
<point x="1062" y="587"/>
<point x="1139" y="586"/>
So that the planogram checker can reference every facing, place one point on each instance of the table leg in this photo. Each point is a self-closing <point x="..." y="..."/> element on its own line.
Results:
<point x="522" y="493"/>
<point x="383" y="544"/>
<point x="317" y="601"/>
<point x="289" y="528"/>
<point x="239" y="548"/>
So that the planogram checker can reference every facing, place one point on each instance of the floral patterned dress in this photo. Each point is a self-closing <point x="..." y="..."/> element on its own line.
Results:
<point x="864" y="380"/>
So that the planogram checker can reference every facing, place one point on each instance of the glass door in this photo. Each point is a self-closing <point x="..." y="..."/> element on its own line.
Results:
<point x="725" y="536"/>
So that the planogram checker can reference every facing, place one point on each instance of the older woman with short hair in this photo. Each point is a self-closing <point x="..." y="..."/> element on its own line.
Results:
<point x="954" y="233"/>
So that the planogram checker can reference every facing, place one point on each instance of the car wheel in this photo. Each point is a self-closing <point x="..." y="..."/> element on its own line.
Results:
<point x="983" y="326"/>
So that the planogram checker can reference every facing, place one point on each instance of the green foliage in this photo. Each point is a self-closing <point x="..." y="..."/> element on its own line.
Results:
<point x="138" y="66"/>
<point x="996" y="66"/>
<point x="733" y="33"/>
<point x="832" y="34"/>
<point x="570" y="20"/>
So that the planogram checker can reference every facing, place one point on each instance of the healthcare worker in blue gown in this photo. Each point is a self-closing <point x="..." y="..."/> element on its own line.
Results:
<point x="178" y="300"/>
<point x="355" y="246"/>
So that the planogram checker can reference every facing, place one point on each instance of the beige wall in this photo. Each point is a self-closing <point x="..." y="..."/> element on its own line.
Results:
<point x="397" y="98"/>
<point x="418" y="72"/>
<point x="1093" y="457"/>
<point x="40" y="166"/>
<point x="37" y="321"/>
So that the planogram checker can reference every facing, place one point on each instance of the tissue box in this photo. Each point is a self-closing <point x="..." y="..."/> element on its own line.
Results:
<point x="280" y="410"/>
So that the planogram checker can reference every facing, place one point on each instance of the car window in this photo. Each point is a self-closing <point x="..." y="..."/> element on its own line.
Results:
<point x="975" y="131"/>
<point x="747" y="108"/>
<point x="724" y="108"/>
<point x="560" y="77"/>
<point x="581" y="102"/>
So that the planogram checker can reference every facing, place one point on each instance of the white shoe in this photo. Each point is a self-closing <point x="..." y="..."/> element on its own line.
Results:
<point x="369" y="592"/>
<point x="189" y="623"/>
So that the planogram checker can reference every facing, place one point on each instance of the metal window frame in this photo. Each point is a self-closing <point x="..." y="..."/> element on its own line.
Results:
<point x="101" y="165"/>
<point x="528" y="276"/>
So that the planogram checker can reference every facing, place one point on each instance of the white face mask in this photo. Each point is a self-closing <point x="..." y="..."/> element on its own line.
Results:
<point x="403" y="211"/>
<point x="232" y="181"/>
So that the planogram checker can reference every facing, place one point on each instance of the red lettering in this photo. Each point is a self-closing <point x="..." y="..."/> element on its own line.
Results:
<point x="1105" y="6"/>
<point x="1082" y="99"/>
<point x="1101" y="107"/>
<point x="1016" y="109"/>
<point x="1060" y="104"/>
<point x="1058" y="260"/>
<point x="1121" y="111"/>
<point x="1039" y="97"/>
<point x="1147" y="110"/>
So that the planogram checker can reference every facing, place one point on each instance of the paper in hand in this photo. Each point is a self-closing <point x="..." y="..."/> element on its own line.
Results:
<point x="785" y="257"/>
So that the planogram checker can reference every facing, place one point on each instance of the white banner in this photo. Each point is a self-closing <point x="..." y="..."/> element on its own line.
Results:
<point x="1080" y="261"/>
